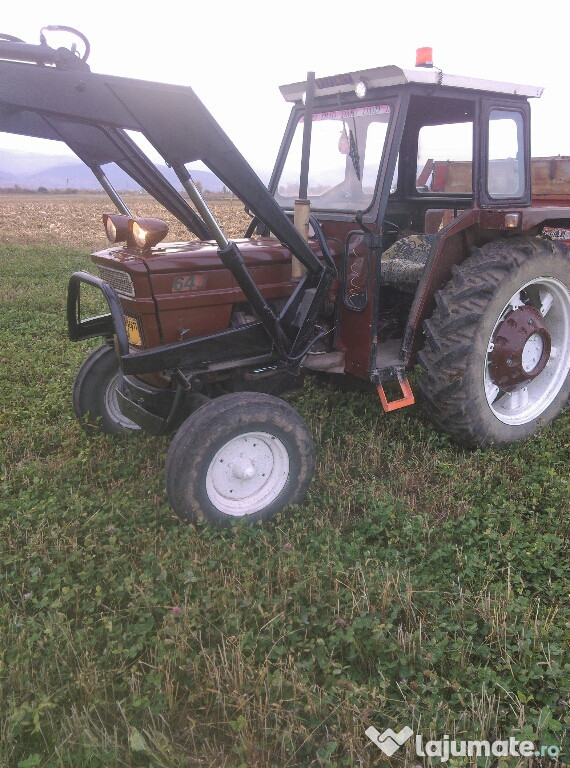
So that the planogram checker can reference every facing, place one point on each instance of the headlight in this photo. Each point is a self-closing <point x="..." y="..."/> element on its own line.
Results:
<point x="140" y="233"/>
<point x="361" y="89"/>
<point x="147" y="233"/>
<point x="116" y="227"/>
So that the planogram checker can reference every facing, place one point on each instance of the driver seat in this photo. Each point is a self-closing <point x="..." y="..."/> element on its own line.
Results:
<point x="403" y="262"/>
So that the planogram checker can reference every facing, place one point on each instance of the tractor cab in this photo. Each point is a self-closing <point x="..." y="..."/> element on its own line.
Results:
<point x="397" y="158"/>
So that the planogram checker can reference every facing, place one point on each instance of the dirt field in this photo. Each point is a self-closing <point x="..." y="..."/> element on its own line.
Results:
<point x="76" y="220"/>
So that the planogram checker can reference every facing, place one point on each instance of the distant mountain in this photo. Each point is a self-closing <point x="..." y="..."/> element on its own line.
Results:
<point x="65" y="172"/>
<point x="19" y="162"/>
<point x="7" y="179"/>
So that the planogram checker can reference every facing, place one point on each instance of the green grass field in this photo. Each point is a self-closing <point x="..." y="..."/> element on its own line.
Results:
<point x="418" y="584"/>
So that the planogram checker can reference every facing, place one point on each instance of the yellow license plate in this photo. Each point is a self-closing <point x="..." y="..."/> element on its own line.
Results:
<point x="133" y="333"/>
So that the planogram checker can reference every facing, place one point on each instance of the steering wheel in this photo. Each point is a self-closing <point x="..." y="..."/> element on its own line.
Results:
<point x="72" y="31"/>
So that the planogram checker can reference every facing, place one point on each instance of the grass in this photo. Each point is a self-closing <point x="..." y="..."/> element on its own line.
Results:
<point x="418" y="584"/>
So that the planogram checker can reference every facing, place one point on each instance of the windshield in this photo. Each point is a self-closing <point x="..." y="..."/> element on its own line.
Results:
<point x="346" y="150"/>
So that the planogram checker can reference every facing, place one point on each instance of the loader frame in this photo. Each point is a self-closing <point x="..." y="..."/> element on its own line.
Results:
<point x="92" y="113"/>
<point x="52" y="94"/>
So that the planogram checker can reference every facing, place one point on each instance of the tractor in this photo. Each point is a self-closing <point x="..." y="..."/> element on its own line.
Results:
<point x="404" y="224"/>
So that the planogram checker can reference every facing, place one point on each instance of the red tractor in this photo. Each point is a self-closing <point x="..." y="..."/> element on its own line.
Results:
<point x="398" y="227"/>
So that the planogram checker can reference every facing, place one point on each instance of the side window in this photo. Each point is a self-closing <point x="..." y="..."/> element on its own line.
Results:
<point x="445" y="159"/>
<point x="506" y="169"/>
<point x="375" y="138"/>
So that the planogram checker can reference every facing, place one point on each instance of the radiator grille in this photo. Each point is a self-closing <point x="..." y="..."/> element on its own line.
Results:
<point x="120" y="281"/>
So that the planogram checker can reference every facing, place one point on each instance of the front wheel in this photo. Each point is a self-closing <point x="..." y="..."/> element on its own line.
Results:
<point x="241" y="455"/>
<point x="95" y="399"/>
<point x="496" y="362"/>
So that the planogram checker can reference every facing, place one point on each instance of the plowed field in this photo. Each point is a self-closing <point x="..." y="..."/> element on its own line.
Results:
<point x="76" y="219"/>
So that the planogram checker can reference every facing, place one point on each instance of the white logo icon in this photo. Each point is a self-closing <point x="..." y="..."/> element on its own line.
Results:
<point x="389" y="741"/>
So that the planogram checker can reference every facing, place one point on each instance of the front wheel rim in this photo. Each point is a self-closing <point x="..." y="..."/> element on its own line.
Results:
<point x="530" y="399"/>
<point x="247" y="473"/>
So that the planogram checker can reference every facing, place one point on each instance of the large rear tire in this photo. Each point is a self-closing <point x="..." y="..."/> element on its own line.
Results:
<point x="496" y="360"/>
<point x="241" y="455"/>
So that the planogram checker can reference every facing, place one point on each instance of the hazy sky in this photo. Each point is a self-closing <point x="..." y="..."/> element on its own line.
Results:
<point x="236" y="54"/>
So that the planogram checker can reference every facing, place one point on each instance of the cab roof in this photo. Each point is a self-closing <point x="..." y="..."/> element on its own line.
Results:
<point x="384" y="77"/>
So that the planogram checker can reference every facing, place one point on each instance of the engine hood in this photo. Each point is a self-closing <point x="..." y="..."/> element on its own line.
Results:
<point x="200" y="255"/>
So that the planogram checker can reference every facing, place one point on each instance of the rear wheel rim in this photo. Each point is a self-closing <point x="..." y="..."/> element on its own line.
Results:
<point x="529" y="399"/>
<point x="247" y="474"/>
<point x="111" y="402"/>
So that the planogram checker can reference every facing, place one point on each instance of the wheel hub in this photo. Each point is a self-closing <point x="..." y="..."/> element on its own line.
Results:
<point x="247" y="473"/>
<point x="520" y="349"/>
<point x="243" y="469"/>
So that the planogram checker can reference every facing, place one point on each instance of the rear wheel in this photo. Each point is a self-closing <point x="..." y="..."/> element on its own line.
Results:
<point x="95" y="399"/>
<point x="241" y="455"/>
<point x="496" y="363"/>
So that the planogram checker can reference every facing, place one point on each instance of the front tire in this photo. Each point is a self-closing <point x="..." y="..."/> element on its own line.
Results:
<point x="496" y="361"/>
<point x="95" y="394"/>
<point x="244" y="455"/>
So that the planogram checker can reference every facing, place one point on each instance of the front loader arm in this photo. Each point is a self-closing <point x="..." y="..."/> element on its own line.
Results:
<point x="96" y="145"/>
<point x="92" y="113"/>
<point x="171" y="117"/>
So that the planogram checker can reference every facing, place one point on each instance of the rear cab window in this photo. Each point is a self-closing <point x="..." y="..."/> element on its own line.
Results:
<point x="445" y="159"/>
